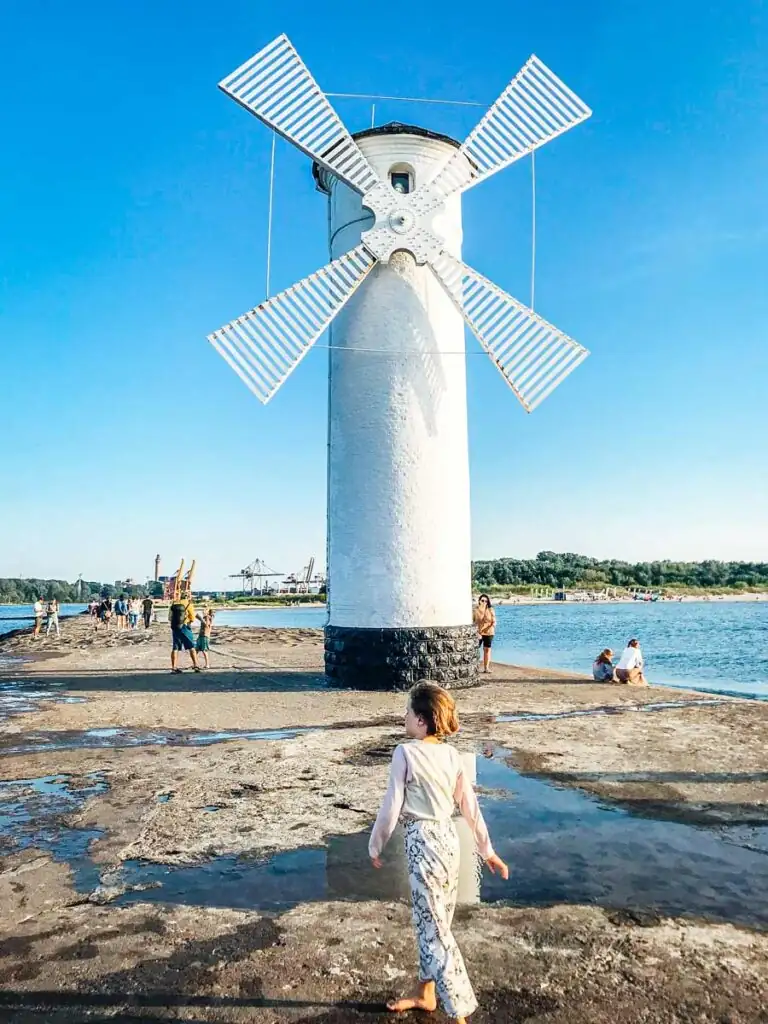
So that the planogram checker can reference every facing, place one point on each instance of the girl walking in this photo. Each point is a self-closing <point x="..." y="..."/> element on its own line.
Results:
<point x="426" y="783"/>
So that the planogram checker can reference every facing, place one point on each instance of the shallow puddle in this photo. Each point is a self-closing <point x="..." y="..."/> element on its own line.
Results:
<point x="112" y="738"/>
<point x="619" y="709"/>
<point x="562" y="847"/>
<point x="31" y="813"/>
<point x="19" y="698"/>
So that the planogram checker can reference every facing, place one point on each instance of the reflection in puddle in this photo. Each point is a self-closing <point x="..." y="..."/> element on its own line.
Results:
<point x="340" y="870"/>
<point x="619" y="709"/>
<point x="31" y="812"/>
<point x="19" y="698"/>
<point x="562" y="847"/>
<point x="112" y="738"/>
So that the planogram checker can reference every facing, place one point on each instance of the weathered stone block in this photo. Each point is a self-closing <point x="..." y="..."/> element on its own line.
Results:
<point x="394" y="659"/>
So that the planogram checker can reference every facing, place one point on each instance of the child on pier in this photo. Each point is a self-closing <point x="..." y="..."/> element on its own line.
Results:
<point x="426" y="782"/>
<point x="203" y="644"/>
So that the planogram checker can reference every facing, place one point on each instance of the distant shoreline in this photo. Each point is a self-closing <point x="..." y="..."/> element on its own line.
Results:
<point x="511" y="599"/>
<point x="497" y="599"/>
<point x="746" y="597"/>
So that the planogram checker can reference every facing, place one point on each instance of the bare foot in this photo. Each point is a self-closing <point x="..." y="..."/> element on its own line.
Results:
<point x="423" y="999"/>
<point x="403" y="1005"/>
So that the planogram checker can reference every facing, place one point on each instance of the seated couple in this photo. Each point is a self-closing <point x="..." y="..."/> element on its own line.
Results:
<point x="629" y="668"/>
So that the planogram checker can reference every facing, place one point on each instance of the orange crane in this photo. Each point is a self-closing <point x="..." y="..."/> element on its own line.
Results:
<point x="179" y="586"/>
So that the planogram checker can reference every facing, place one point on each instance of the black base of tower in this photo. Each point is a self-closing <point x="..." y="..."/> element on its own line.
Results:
<point x="395" y="659"/>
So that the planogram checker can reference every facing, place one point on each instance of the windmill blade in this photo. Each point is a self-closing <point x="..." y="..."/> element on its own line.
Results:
<point x="534" y="108"/>
<point x="532" y="355"/>
<point x="279" y="89"/>
<point x="266" y="344"/>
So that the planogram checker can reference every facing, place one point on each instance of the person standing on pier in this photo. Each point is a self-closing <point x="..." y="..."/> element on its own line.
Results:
<point x="485" y="620"/>
<point x="426" y="782"/>
<point x="147" y="607"/>
<point x="52" y="613"/>
<point x="181" y="615"/>
<point x="38" y="609"/>
<point x="134" y="610"/>
<point x="203" y="644"/>
<point x="121" y="612"/>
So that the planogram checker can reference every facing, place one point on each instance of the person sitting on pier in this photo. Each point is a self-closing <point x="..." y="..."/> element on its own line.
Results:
<point x="630" y="666"/>
<point x="602" y="667"/>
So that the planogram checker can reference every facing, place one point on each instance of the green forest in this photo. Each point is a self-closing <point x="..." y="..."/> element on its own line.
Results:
<point x="18" y="591"/>
<point x="547" y="569"/>
<point x="551" y="569"/>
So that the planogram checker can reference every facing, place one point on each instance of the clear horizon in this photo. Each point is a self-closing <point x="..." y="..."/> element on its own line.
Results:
<point x="134" y="221"/>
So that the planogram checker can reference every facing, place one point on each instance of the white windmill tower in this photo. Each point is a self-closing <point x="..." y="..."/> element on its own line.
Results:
<point x="399" y="587"/>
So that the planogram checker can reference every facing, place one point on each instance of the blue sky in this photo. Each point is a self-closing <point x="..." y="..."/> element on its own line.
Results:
<point x="133" y="199"/>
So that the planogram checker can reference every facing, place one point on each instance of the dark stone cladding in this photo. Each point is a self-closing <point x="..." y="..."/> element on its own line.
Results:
<point x="395" y="659"/>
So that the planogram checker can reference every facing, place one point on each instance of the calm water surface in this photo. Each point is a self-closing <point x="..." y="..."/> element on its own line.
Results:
<point x="18" y="616"/>
<point x="715" y="645"/>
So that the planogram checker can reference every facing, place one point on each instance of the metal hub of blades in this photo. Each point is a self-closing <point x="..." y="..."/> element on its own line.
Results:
<point x="403" y="222"/>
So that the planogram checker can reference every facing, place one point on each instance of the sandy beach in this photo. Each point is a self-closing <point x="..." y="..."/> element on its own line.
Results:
<point x="196" y="850"/>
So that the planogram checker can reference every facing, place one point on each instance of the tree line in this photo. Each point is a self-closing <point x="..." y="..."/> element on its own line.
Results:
<point x="551" y="569"/>
<point x="27" y="591"/>
<point x="548" y="569"/>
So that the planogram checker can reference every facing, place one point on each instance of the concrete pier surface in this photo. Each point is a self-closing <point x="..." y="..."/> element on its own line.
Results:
<point x="193" y="847"/>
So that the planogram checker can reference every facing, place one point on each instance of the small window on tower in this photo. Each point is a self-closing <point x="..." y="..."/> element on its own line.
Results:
<point x="401" y="181"/>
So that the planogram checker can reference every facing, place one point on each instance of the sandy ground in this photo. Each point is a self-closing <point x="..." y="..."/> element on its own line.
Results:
<point x="69" y="952"/>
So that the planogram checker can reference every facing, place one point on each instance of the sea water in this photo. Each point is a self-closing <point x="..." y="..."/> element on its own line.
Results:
<point x="710" y="645"/>
<point x="19" y="616"/>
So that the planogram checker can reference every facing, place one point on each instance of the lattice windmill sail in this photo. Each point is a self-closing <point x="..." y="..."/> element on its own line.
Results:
<point x="267" y="343"/>
<point x="395" y="297"/>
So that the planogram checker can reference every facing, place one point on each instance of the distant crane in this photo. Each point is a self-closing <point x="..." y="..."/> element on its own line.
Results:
<point x="254" y="575"/>
<point x="300" y="582"/>
<point x="306" y="574"/>
<point x="179" y="586"/>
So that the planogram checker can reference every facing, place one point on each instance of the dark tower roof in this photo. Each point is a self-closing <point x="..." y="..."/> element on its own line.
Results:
<point x="392" y="128"/>
<point x="398" y="128"/>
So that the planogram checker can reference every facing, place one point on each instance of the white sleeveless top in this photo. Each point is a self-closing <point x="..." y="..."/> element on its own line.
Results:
<point x="427" y="781"/>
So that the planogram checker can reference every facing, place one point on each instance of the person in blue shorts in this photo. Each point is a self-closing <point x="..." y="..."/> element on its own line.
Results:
<point x="204" y="635"/>
<point x="181" y="615"/>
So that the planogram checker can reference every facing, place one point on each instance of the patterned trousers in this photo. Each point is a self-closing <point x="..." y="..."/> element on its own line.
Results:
<point x="432" y="851"/>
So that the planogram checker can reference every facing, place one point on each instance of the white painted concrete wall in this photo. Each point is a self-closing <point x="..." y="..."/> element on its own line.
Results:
<point x="399" y="527"/>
